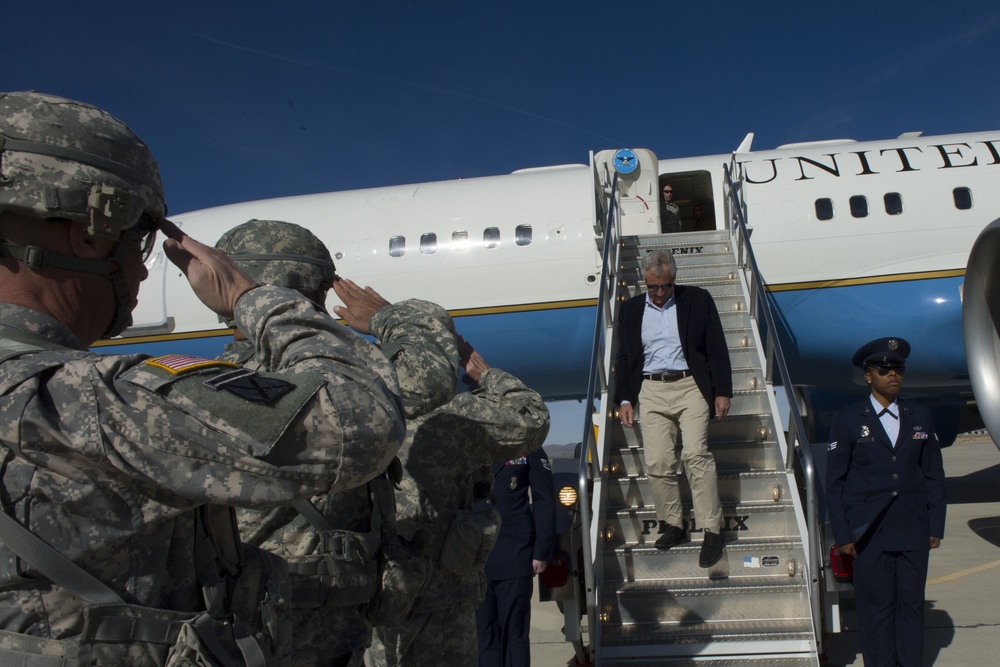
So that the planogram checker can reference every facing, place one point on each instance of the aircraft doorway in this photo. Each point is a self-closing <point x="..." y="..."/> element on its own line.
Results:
<point x="693" y="195"/>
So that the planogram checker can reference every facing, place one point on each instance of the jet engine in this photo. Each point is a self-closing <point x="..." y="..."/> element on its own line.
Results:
<point x="980" y="322"/>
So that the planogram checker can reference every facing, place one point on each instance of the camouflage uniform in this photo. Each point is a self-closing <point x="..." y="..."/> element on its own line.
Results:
<point x="335" y="548"/>
<point x="329" y="612"/>
<point x="112" y="459"/>
<point x="447" y="480"/>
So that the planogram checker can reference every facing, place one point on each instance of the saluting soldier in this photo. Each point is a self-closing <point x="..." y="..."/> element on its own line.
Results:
<point x="111" y="462"/>
<point x="886" y="503"/>
<point x="334" y="542"/>
<point x="444" y="509"/>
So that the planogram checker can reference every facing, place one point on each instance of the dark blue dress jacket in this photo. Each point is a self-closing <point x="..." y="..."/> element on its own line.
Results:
<point x="702" y="339"/>
<point x="528" y="529"/>
<point x="890" y="499"/>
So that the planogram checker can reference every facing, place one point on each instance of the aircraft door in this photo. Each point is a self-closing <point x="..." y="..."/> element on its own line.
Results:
<point x="638" y="189"/>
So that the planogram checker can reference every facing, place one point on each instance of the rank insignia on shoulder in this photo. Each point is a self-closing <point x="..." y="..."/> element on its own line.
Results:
<point x="547" y="464"/>
<point x="247" y="384"/>
<point x="832" y="446"/>
<point x="517" y="462"/>
<point x="178" y="364"/>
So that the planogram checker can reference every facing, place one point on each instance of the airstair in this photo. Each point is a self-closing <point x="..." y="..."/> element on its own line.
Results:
<point x="760" y="603"/>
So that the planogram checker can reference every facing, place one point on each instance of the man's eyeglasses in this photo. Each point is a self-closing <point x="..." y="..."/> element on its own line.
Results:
<point x="884" y="370"/>
<point x="143" y="233"/>
<point x="664" y="287"/>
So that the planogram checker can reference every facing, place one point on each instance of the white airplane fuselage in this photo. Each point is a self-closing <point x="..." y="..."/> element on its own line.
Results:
<point x="514" y="257"/>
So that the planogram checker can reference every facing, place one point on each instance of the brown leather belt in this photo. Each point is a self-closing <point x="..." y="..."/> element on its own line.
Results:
<point x="669" y="376"/>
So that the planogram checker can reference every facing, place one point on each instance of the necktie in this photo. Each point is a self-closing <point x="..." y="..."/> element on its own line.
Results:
<point x="886" y="411"/>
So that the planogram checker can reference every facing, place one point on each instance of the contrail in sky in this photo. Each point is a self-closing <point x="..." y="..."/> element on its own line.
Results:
<point x="392" y="80"/>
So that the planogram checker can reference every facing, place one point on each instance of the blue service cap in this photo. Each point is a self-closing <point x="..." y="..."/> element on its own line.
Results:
<point x="883" y="352"/>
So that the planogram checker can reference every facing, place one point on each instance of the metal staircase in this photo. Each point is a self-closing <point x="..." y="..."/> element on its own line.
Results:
<point x="759" y="604"/>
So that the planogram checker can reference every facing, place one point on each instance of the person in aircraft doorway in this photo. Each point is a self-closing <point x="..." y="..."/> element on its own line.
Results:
<point x="670" y="213"/>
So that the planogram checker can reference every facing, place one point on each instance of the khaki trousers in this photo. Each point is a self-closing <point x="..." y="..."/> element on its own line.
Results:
<point x="664" y="409"/>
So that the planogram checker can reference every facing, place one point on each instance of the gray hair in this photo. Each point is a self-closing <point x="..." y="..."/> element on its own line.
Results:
<point x="655" y="261"/>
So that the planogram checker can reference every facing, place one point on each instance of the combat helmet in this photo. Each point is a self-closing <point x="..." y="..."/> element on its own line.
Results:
<point x="61" y="159"/>
<point x="65" y="159"/>
<point x="280" y="253"/>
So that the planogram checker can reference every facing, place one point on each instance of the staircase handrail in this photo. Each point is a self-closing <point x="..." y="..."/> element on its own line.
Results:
<point x="589" y="453"/>
<point x="797" y="434"/>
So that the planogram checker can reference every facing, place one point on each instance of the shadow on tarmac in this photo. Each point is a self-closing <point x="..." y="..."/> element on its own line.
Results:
<point x="844" y="649"/>
<point x="981" y="486"/>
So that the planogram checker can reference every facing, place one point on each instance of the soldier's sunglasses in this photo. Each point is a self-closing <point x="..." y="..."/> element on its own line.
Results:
<point x="144" y="233"/>
<point x="884" y="370"/>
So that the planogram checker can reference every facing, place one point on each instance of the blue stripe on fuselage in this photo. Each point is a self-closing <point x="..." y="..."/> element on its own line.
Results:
<point x="822" y="328"/>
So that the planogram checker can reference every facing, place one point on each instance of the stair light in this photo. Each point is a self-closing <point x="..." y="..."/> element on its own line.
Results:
<point x="567" y="496"/>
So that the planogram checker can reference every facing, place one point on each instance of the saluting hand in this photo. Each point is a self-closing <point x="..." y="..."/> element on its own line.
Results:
<point x="473" y="364"/>
<point x="215" y="279"/>
<point x="359" y="304"/>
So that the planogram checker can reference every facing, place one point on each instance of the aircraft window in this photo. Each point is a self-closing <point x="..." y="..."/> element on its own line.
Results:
<point x="963" y="198"/>
<point x="428" y="243"/>
<point x="397" y="246"/>
<point x="893" y="203"/>
<point x="460" y="240"/>
<point x="859" y="206"/>
<point x="522" y="235"/>
<point x="824" y="209"/>
<point x="491" y="237"/>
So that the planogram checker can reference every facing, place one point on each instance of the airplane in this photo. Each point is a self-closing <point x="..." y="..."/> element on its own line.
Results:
<point x="855" y="240"/>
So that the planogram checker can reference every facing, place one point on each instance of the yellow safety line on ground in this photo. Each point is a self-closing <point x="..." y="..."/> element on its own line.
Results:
<point x="963" y="573"/>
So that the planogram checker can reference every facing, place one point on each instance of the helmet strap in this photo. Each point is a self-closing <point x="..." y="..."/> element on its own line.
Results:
<point x="36" y="257"/>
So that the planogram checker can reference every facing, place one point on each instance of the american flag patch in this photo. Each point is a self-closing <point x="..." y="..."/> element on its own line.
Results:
<point x="181" y="363"/>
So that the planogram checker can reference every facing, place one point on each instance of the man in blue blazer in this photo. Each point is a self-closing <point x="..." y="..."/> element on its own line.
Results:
<point x="523" y="549"/>
<point x="674" y="361"/>
<point x="886" y="503"/>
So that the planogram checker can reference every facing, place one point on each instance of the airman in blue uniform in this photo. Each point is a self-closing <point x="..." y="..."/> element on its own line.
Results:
<point x="886" y="502"/>
<point x="523" y="549"/>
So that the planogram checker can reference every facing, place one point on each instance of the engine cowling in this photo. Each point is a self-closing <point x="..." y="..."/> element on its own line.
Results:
<point x="980" y="323"/>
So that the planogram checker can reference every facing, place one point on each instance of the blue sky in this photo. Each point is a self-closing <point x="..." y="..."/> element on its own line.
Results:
<point x="248" y="100"/>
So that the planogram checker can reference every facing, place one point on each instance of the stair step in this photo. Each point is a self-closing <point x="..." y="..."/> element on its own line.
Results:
<point x="777" y="559"/>
<point x="640" y="527"/>
<point x="710" y="638"/>
<point x="771" y="660"/>
<point x="740" y="455"/>
<point x="743" y="601"/>
<point x="734" y="487"/>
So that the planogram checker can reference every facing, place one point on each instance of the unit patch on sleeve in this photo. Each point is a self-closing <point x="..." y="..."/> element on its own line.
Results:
<point x="247" y="384"/>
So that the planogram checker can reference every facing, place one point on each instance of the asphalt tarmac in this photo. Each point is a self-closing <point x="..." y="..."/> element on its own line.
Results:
<point x="963" y="585"/>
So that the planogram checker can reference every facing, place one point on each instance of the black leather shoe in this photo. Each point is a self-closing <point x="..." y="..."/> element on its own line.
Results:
<point x="671" y="537"/>
<point x="711" y="549"/>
